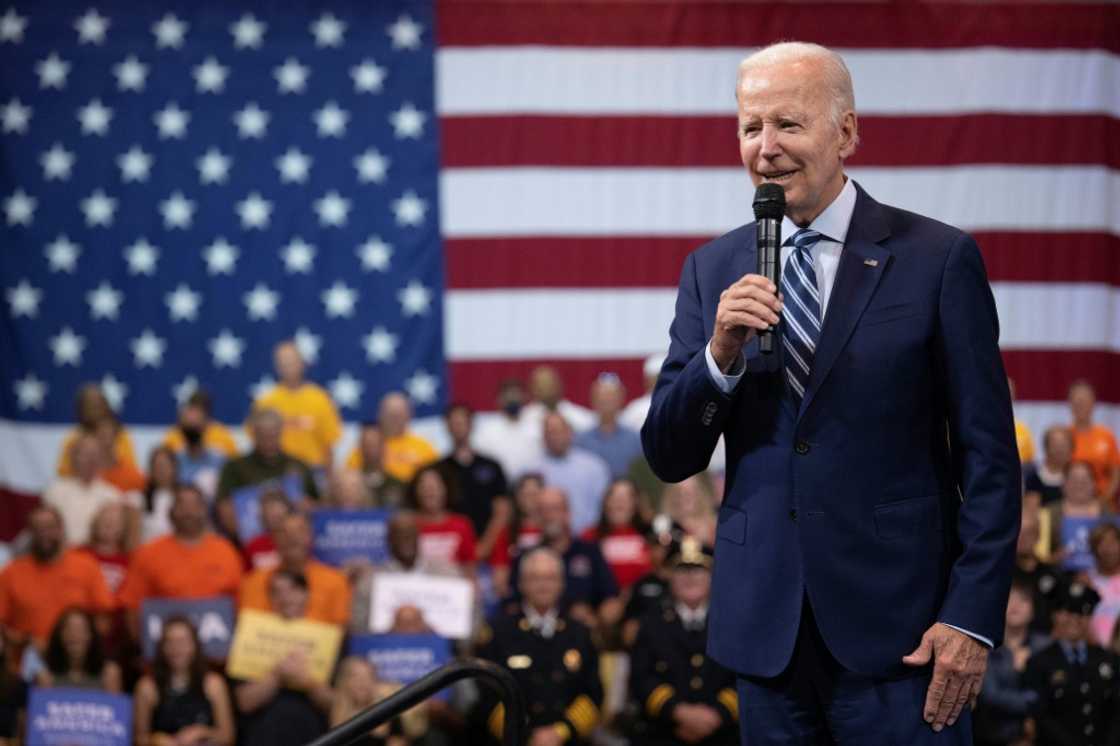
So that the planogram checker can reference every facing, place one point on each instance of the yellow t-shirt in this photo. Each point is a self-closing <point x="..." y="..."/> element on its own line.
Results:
<point x="402" y="456"/>
<point x="311" y="422"/>
<point x="216" y="437"/>
<point x="122" y="449"/>
<point x="1025" y="442"/>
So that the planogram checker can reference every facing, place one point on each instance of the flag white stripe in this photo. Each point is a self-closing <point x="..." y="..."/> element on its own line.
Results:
<point x="540" y="80"/>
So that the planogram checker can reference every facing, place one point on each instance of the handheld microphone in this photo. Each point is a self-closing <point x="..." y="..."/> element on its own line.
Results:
<point x="769" y="206"/>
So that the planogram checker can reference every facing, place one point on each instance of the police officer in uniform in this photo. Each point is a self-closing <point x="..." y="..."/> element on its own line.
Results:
<point x="684" y="697"/>
<point x="550" y="656"/>
<point x="1075" y="679"/>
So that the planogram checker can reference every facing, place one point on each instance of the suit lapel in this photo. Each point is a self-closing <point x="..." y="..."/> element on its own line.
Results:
<point x="862" y="263"/>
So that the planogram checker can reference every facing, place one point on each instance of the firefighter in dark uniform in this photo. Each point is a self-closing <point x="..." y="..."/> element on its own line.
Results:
<point x="1075" y="679"/>
<point x="550" y="655"/>
<point x="683" y="696"/>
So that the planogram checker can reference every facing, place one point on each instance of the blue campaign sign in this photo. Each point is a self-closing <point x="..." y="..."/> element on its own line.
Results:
<point x="78" y="717"/>
<point x="341" y="535"/>
<point x="402" y="658"/>
<point x="213" y="618"/>
<point x="247" y="503"/>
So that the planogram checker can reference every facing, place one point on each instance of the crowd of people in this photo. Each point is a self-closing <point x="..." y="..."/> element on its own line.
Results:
<point x="590" y="576"/>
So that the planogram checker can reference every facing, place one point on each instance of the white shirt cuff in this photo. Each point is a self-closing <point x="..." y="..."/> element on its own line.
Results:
<point x="973" y="635"/>
<point x="725" y="382"/>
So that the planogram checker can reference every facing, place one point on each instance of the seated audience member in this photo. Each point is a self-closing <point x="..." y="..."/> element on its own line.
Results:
<point x="1045" y="480"/>
<point x="621" y="534"/>
<point x="1043" y="578"/>
<point x="444" y="536"/>
<point x="1073" y="679"/>
<point x="547" y="391"/>
<point x="357" y="687"/>
<point x="402" y="451"/>
<point x="92" y="408"/>
<point x="1023" y="438"/>
<point x="159" y="493"/>
<point x="75" y="656"/>
<point x="550" y="655"/>
<point x="1073" y="517"/>
<point x="522" y="532"/>
<point x="1005" y="703"/>
<point x="266" y="462"/>
<point x="582" y="475"/>
<point x="409" y="620"/>
<point x="124" y="475"/>
<point x="13" y="698"/>
<point x="287" y="707"/>
<point x="200" y="444"/>
<point x="108" y="544"/>
<point x="691" y="505"/>
<point x="609" y="439"/>
<point x="81" y="495"/>
<point x="1094" y="443"/>
<point x="36" y="587"/>
<point x="650" y="591"/>
<point x="180" y="701"/>
<point x="683" y="695"/>
<point x="260" y="551"/>
<point x="1104" y="576"/>
<point x="311" y="422"/>
<point x="328" y="593"/>
<point x="368" y="458"/>
<point x="634" y="414"/>
<point x="477" y="479"/>
<point x="190" y="562"/>
<point x="347" y="490"/>
<point x="506" y="436"/>
<point x="590" y="591"/>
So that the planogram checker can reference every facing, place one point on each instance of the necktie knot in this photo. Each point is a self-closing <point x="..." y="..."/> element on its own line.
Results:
<point x="805" y="239"/>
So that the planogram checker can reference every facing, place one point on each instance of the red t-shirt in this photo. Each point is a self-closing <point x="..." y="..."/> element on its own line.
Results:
<point x="113" y="566"/>
<point x="625" y="550"/>
<point x="260" y="553"/>
<point x="448" y="540"/>
<point x="503" y="552"/>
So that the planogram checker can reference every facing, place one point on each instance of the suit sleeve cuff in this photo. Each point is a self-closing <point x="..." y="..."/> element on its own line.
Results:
<point x="725" y="382"/>
<point x="973" y="635"/>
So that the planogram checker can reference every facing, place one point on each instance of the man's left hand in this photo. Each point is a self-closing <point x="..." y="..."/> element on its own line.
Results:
<point x="959" y="662"/>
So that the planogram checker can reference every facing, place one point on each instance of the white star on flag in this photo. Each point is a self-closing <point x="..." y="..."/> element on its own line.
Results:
<point x="333" y="209"/>
<point x="67" y="347"/>
<point x="226" y="350"/>
<point x="381" y="346"/>
<point x="255" y="211"/>
<point x="415" y="299"/>
<point x="410" y="209"/>
<point x="52" y="72"/>
<point x="16" y="116"/>
<point x="405" y="33"/>
<point x="30" y="392"/>
<point x="57" y="163"/>
<point x="308" y="344"/>
<point x="248" y="32"/>
<point x="169" y="32"/>
<point x="260" y="388"/>
<point x="95" y="118"/>
<point x="375" y="254"/>
<point x="104" y="302"/>
<point x="183" y="390"/>
<point x="421" y="387"/>
<point x="251" y="121"/>
<point x="24" y="300"/>
<point x="62" y="254"/>
<point x="213" y="167"/>
<point x="408" y="121"/>
<point x="172" y="121"/>
<point x="135" y="164"/>
<point x="177" y="211"/>
<point x="210" y="76"/>
<point x="131" y="74"/>
<point x="261" y="303"/>
<point x="141" y="257"/>
<point x="372" y="166"/>
<point x="91" y="27"/>
<point x="19" y="208"/>
<point x="368" y="77"/>
<point x="99" y="209"/>
<point x="221" y="257"/>
<point x="147" y="350"/>
<point x="183" y="303"/>
<point x="115" y="391"/>
<point x="339" y="300"/>
<point x="328" y="31"/>
<point x="12" y="26"/>
<point x="293" y="166"/>
<point x="291" y="77"/>
<point x="331" y="120"/>
<point x="347" y="390"/>
<point x="299" y="256"/>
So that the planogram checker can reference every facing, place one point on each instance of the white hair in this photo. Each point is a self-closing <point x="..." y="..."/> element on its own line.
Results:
<point x="836" y="78"/>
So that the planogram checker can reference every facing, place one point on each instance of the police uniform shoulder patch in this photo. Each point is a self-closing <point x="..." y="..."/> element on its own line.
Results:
<point x="572" y="659"/>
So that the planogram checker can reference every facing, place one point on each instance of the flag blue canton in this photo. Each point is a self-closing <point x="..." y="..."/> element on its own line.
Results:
<point x="182" y="187"/>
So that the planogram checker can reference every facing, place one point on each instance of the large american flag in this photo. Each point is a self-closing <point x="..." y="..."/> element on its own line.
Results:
<point x="432" y="198"/>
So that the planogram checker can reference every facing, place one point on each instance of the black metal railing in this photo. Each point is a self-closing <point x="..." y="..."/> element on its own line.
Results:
<point x="416" y="692"/>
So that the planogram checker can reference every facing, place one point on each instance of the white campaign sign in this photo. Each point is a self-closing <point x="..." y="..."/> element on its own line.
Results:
<point x="446" y="603"/>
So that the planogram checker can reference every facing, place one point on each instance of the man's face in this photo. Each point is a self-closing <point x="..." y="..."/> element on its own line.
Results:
<point x="404" y="540"/>
<point x="545" y="385"/>
<point x="394" y="415"/>
<point x="607" y="398"/>
<point x="1081" y="403"/>
<point x="88" y="455"/>
<point x="293" y="541"/>
<point x="552" y="510"/>
<point x="690" y="585"/>
<point x="557" y="435"/>
<point x="459" y="425"/>
<point x="188" y="513"/>
<point x="542" y="582"/>
<point x="192" y="417"/>
<point x="289" y="364"/>
<point x="787" y="136"/>
<point x="46" y="535"/>
<point x="1070" y="626"/>
<point x="266" y="438"/>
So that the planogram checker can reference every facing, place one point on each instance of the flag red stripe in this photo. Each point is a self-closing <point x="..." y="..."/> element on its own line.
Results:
<point x="1045" y="375"/>
<point x="599" y="262"/>
<point x="17" y="506"/>
<point x="470" y="141"/>
<point x="723" y="24"/>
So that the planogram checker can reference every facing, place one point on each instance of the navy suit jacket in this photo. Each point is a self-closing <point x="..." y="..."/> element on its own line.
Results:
<point x="891" y="497"/>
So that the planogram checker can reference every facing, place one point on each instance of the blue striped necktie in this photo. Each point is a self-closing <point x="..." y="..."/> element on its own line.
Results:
<point x="801" y="312"/>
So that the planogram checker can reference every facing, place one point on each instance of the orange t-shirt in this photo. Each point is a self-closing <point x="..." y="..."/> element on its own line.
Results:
<point x="1097" y="447"/>
<point x="168" y="568"/>
<point x="328" y="593"/>
<point x="32" y="595"/>
<point x="125" y="477"/>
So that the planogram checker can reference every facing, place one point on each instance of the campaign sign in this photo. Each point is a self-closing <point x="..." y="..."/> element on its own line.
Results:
<point x="402" y="659"/>
<point x="262" y="640"/>
<point x="213" y="618"/>
<point x="342" y="535"/>
<point x="78" y="717"/>
<point x="247" y="503"/>
<point x="446" y="603"/>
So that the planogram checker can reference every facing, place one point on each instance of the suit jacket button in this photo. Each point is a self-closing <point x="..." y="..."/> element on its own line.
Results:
<point x="801" y="448"/>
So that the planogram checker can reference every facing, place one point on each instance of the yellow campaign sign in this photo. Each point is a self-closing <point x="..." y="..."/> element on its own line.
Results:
<point x="262" y="640"/>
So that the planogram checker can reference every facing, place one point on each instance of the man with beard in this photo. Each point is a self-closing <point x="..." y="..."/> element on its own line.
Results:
<point x="201" y="444"/>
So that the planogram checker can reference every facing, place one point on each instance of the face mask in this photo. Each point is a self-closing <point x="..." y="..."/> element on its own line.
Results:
<point x="193" y="435"/>
<point x="512" y="408"/>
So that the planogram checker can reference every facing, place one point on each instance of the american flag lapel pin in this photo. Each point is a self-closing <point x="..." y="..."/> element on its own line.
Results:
<point x="871" y="262"/>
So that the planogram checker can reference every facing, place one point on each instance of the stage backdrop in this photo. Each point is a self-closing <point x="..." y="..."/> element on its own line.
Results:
<point x="434" y="197"/>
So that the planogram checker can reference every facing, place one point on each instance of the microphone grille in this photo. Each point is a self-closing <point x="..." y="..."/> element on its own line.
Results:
<point x="769" y="201"/>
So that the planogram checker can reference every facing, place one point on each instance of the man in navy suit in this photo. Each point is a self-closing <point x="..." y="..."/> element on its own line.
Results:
<point x="867" y="532"/>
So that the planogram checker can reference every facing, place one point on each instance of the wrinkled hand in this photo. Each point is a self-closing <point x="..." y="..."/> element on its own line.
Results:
<point x="959" y="662"/>
<point x="748" y="306"/>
